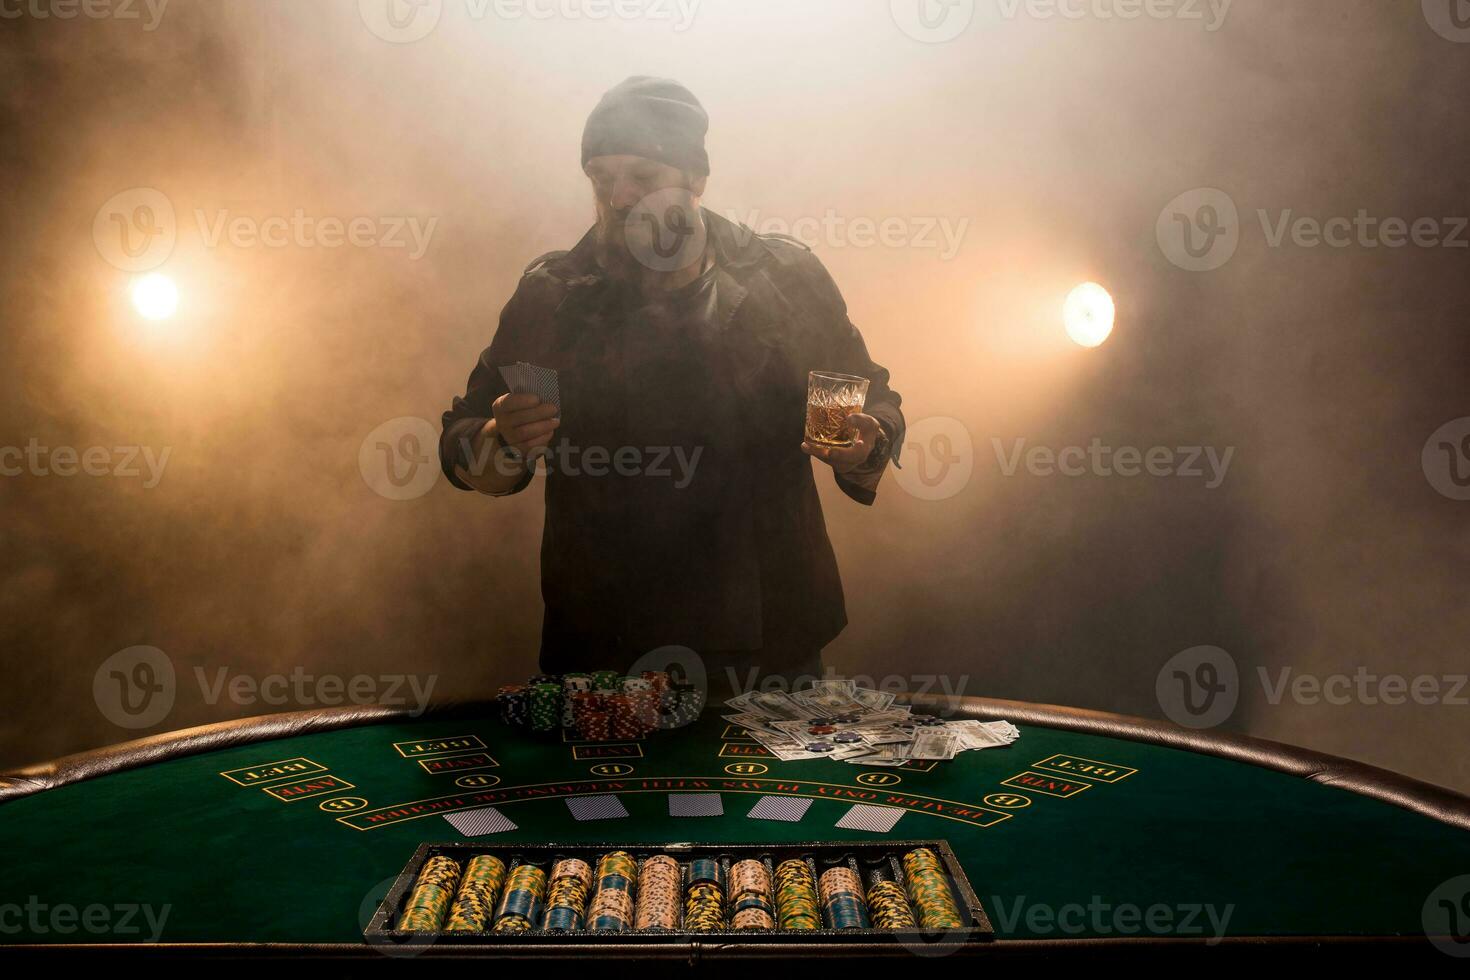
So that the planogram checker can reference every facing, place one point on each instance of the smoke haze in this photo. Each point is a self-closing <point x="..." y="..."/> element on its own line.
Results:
<point x="1046" y="148"/>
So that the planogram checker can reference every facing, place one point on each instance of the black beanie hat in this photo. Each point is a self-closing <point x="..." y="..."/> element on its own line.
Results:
<point x="649" y="117"/>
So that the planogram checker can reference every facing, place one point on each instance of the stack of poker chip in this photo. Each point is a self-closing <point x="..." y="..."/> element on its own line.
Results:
<point x="688" y="704"/>
<point x="842" y="898"/>
<point x="545" y="706"/>
<point x="520" y="906"/>
<point x="624" y="718"/>
<point x="566" y="902"/>
<point x="658" y="895"/>
<point x="750" y="896"/>
<point x="514" y="702"/>
<point x="617" y="880"/>
<point x="572" y="686"/>
<point x="890" y="906"/>
<point x="796" y="896"/>
<point x="433" y="891"/>
<point x="704" y="900"/>
<point x="642" y="705"/>
<point x="478" y="890"/>
<point x="929" y="890"/>
<point x="600" y="706"/>
<point x="603" y="722"/>
<point x="590" y="716"/>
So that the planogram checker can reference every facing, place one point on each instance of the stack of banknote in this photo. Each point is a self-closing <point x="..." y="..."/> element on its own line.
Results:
<point x="837" y="719"/>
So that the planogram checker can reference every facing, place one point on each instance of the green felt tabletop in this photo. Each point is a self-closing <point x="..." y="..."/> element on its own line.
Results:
<point x="301" y="853"/>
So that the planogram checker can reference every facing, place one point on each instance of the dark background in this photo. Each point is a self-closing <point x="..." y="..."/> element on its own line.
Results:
<point x="264" y="548"/>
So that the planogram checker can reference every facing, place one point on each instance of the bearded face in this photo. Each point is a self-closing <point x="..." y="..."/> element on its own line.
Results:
<point x="647" y="216"/>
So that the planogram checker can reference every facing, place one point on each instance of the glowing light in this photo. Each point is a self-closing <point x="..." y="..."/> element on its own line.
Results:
<point x="155" y="296"/>
<point x="1088" y="314"/>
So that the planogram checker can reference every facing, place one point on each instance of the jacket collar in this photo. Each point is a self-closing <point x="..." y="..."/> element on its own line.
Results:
<point x="739" y="255"/>
<point x="737" y="250"/>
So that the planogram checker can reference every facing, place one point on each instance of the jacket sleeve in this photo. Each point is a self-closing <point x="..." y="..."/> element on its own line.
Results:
<point x="469" y="412"/>
<point x="848" y="354"/>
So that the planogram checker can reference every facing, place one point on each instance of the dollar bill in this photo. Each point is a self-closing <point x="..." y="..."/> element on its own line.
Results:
<point x="933" y="743"/>
<point x="885" y="755"/>
<point x="876" y="700"/>
<point x="777" y="704"/>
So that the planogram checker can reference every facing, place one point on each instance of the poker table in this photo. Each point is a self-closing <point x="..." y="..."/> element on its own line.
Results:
<point x="1092" y="835"/>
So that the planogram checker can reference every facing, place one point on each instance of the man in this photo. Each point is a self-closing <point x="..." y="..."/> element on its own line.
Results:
<point x="680" y="503"/>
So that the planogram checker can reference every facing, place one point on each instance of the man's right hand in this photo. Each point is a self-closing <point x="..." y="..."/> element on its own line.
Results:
<point x="523" y="422"/>
<point x="520" y="425"/>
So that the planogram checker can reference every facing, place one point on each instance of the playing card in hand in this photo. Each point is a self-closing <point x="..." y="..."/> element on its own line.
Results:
<point x="523" y="378"/>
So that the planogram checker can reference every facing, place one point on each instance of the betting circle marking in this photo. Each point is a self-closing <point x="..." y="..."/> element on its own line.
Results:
<point x="1008" y="801"/>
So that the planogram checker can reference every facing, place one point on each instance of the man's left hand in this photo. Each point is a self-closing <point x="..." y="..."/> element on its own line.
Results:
<point x="844" y="459"/>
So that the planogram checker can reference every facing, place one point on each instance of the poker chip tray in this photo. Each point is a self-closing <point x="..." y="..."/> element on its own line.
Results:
<point x="871" y="861"/>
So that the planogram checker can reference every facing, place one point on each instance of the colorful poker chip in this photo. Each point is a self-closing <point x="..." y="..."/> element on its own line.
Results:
<point x="928" y="887"/>
<point x="890" y="907"/>
<point x="847" y="738"/>
<point x="433" y="892"/>
<point x="796" y="896"/>
<point x="819" y="746"/>
<point x="820" y="730"/>
<point x="658" y="895"/>
<point x="842" y="898"/>
<point x="520" y="906"/>
<point x="566" y="902"/>
<point x="704" y="908"/>
<point x="750" y="905"/>
<point x="617" y="881"/>
<point x="474" y="904"/>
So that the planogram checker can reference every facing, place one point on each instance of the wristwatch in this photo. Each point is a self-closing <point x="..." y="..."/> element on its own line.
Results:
<point x="511" y="452"/>
<point x="881" y="448"/>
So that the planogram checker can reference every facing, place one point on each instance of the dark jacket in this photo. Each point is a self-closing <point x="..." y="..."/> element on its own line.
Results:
<point x="737" y="559"/>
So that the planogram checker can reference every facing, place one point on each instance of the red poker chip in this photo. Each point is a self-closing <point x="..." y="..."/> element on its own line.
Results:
<point x="821" y="730"/>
